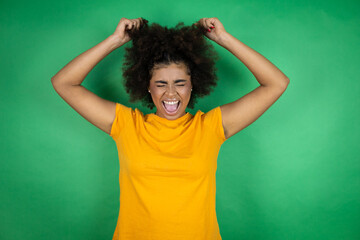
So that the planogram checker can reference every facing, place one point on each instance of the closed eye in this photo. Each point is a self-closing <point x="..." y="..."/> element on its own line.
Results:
<point x="164" y="85"/>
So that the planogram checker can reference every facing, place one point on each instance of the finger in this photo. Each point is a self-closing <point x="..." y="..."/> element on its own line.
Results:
<point x="135" y="24"/>
<point x="132" y="25"/>
<point x="143" y="21"/>
<point x="206" y="25"/>
<point x="209" y="23"/>
<point x="203" y="22"/>
<point x="214" y="22"/>
<point x="138" y="21"/>
<point x="127" y="24"/>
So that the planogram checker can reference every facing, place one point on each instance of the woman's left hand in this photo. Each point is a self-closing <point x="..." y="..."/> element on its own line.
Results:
<point x="213" y="28"/>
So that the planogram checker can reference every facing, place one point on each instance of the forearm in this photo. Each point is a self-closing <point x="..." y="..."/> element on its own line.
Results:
<point x="76" y="70"/>
<point x="266" y="73"/>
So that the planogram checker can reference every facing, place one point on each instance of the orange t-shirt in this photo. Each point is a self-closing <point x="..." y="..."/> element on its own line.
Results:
<point x="167" y="175"/>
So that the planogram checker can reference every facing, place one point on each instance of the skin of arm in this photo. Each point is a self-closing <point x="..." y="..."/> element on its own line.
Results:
<point x="266" y="73"/>
<point x="67" y="83"/>
<point x="76" y="70"/>
<point x="241" y="113"/>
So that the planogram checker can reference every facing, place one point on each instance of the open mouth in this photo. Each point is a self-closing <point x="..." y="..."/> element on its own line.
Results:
<point x="171" y="107"/>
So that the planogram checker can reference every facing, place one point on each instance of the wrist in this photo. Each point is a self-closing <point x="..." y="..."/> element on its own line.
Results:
<point x="224" y="39"/>
<point x="114" y="41"/>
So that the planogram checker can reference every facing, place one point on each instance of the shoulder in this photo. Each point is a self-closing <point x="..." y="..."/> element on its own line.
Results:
<point x="212" y="114"/>
<point x="211" y="117"/>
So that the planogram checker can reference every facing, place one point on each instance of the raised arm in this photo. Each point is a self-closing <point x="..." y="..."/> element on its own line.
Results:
<point x="239" y="114"/>
<point x="67" y="82"/>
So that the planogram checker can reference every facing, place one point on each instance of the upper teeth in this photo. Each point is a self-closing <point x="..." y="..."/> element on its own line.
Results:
<point x="171" y="102"/>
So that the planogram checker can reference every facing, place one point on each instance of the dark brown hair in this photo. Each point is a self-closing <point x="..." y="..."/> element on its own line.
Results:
<point x="154" y="44"/>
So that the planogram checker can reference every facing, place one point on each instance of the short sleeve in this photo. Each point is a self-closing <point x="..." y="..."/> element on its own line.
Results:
<point x="213" y="118"/>
<point x="123" y="115"/>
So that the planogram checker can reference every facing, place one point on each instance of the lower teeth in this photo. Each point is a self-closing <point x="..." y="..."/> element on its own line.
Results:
<point x="177" y="106"/>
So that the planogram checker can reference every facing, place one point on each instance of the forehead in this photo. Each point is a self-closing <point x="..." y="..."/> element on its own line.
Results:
<point x="171" y="71"/>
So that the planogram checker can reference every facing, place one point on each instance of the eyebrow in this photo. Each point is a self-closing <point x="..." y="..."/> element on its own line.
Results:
<point x="176" y="81"/>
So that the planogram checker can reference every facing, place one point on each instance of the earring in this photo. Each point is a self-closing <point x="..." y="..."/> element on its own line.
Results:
<point x="149" y="90"/>
<point x="191" y="89"/>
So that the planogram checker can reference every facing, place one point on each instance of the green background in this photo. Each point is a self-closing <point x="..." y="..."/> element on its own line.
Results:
<point x="293" y="174"/>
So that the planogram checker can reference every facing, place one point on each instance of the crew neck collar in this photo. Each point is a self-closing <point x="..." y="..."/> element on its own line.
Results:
<point x="161" y="119"/>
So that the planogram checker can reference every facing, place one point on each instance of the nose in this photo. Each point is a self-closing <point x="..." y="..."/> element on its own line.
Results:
<point x="171" y="89"/>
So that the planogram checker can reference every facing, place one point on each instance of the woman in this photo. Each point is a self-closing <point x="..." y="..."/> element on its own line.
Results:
<point x="168" y="159"/>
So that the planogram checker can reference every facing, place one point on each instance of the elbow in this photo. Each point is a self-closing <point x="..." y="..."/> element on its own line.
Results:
<point x="281" y="83"/>
<point x="285" y="82"/>
<point x="53" y="82"/>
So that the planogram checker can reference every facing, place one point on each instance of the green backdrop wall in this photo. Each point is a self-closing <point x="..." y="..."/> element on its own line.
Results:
<point x="293" y="174"/>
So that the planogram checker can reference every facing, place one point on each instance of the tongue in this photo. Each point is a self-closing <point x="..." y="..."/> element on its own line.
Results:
<point x="171" y="107"/>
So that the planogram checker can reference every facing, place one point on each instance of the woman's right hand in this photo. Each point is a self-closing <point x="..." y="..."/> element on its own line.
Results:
<point x="121" y="32"/>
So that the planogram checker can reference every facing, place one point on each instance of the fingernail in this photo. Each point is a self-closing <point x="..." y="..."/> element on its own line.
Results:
<point x="211" y="27"/>
<point x="209" y="30"/>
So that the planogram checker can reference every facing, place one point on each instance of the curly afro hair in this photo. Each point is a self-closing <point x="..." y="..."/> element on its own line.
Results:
<point x="154" y="44"/>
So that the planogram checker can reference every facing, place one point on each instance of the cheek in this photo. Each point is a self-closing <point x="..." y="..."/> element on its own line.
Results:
<point x="157" y="92"/>
<point x="186" y="91"/>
